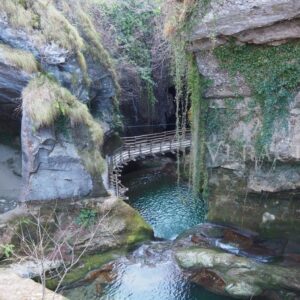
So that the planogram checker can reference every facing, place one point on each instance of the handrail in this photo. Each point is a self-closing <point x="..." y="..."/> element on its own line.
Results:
<point x="154" y="135"/>
<point x="143" y="145"/>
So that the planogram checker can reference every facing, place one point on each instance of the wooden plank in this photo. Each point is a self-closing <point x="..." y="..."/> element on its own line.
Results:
<point x="141" y="146"/>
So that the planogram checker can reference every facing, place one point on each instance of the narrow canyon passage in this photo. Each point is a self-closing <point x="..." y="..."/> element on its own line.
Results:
<point x="150" y="149"/>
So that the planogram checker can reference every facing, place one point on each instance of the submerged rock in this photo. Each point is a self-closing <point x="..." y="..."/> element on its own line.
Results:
<point x="234" y="262"/>
<point x="237" y="276"/>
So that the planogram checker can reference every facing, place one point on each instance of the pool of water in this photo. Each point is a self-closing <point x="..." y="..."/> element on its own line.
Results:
<point x="150" y="273"/>
<point x="168" y="207"/>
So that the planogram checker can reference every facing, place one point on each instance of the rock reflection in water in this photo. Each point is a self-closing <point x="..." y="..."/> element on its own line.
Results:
<point x="150" y="273"/>
<point x="169" y="208"/>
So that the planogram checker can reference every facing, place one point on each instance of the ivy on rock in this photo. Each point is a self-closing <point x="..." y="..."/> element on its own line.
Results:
<point x="272" y="73"/>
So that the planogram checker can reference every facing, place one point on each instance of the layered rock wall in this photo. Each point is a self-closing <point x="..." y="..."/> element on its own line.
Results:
<point x="52" y="165"/>
<point x="250" y="184"/>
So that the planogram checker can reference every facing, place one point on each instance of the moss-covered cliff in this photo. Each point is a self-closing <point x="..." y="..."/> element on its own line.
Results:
<point x="54" y="66"/>
<point x="249" y="55"/>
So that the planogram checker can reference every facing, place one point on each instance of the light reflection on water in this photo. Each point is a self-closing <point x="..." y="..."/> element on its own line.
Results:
<point x="163" y="281"/>
<point x="169" y="208"/>
<point x="150" y="272"/>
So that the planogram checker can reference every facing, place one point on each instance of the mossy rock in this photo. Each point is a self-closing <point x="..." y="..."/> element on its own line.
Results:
<point x="137" y="230"/>
<point x="86" y="264"/>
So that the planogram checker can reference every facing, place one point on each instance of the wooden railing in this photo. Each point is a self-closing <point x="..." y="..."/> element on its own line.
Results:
<point x="140" y="147"/>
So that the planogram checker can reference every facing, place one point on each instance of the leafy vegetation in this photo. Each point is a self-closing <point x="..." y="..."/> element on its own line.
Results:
<point x="132" y="23"/>
<point x="8" y="250"/>
<point x="87" y="217"/>
<point x="272" y="73"/>
<point x="189" y="84"/>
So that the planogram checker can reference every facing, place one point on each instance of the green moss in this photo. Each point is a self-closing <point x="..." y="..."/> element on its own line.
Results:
<point x="137" y="230"/>
<point x="86" y="264"/>
<point x="189" y="84"/>
<point x="272" y="73"/>
<point x="196" y="86"/>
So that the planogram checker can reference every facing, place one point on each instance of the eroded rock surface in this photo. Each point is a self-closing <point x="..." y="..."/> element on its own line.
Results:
<point x="254" y="21"/>
<point x="242" y="182"/>
<point x="49" y="159"/>
<point x="94" y="231"/>
<point x="238" y="263"/>
<point x="17" y="288"/>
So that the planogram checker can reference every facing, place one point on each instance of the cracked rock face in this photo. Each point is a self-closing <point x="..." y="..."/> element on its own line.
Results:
<point x="52" y="167"/>
<point x="251" y="21"/>
<point x="238" y="182"/>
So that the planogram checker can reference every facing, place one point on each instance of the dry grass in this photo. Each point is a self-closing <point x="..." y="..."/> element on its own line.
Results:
<point x="17" y="15"/>
<point x="43" y="21"/>
<point x="19" y="59"/>
<point x="93" y="162"/>
<point x="45" y="100"/>
<point x="177" y="12"/>
<point x="79" y="12"/>
<point x="70" y="27"/>
<point x="55" y="27"/>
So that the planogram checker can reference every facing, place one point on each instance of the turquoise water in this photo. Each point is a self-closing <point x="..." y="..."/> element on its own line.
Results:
<point x="150" y="272"/>
<point x="169" y="208"/>
<point x="159" y="281"/>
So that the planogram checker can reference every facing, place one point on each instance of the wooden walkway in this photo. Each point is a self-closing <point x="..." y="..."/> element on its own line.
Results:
<point x="139" y="147"/>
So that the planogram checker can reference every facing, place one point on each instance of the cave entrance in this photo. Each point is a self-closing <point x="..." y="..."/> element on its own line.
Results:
<point x="10" y="150"/>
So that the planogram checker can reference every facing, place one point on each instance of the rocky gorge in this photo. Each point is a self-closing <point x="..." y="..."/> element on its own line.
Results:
<point x="75" y="75"/>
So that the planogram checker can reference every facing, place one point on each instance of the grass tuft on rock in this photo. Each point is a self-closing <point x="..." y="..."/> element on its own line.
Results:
<point x="46" y="101"/>
<point x="19" y="59"/>
<point x="64" y="23"/>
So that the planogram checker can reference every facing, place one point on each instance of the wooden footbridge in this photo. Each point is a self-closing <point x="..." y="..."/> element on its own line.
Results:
<point x="139" y="147"/>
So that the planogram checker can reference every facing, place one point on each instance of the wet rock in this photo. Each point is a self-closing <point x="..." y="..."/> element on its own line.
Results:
<point x="243" y="241"/>
<point x="103" y="275"/>
<point x="234" y="240"/>
<point x="211" y="280"/>
<point x="242" y="276"/>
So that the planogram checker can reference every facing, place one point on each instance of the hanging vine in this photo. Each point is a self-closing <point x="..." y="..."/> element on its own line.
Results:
<point x="189" y="88"/>
<point x="196" y="85"/>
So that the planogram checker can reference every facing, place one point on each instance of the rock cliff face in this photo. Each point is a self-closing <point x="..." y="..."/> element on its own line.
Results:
<point x="28" y="48"/>
<point x="246" y="114"/>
